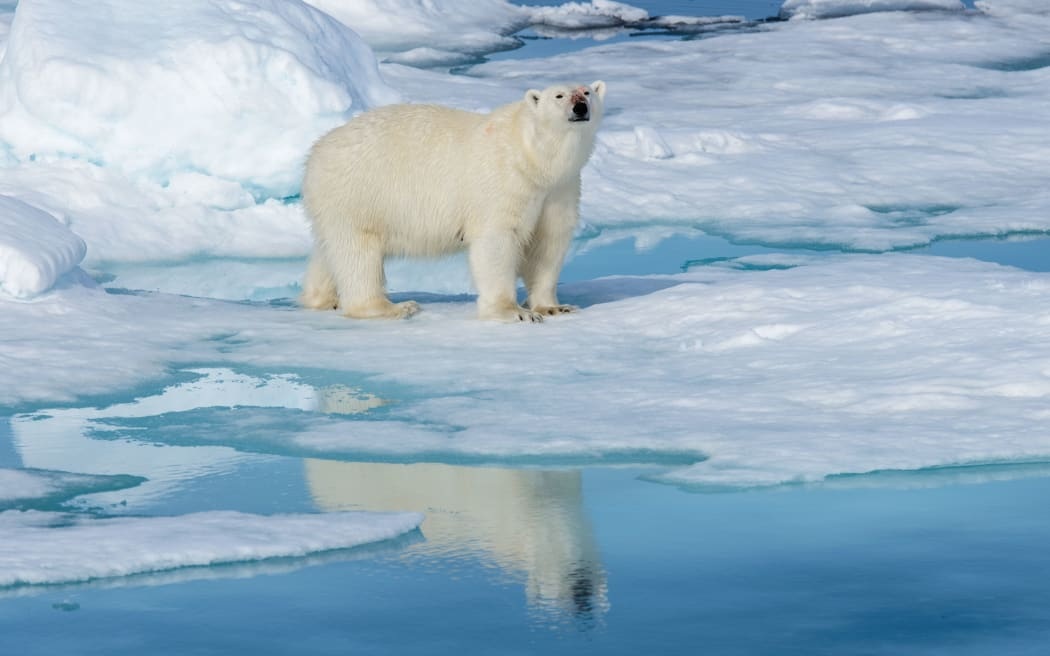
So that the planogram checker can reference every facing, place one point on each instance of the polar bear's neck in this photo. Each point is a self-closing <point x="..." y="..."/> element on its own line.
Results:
<point x="551" y="155"/>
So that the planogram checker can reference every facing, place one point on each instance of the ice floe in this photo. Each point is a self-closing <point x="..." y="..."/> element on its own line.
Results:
<point x="22" y="487"/>
<point x="56" y="548"/>
<point x="880" y="131"/>
<point x="934" y="115"/>
<point x="778" y="371"/>
<point x="35" y="249"/>
<point x="840" y="8"/>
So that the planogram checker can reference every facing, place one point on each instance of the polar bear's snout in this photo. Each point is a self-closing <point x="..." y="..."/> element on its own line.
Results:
<point x="581" y="111"/>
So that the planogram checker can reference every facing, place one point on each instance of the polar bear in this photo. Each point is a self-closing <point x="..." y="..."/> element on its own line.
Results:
<point x="425" y="180"/>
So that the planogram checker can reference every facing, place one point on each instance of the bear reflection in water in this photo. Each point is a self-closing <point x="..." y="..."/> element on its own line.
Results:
<point x="530" y="523"/>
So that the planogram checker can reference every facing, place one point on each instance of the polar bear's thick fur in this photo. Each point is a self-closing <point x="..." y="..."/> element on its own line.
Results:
<point x="423" y="180"/>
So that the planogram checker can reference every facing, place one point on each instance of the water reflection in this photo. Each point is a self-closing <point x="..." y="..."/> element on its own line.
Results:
<point x="529" y="523"/>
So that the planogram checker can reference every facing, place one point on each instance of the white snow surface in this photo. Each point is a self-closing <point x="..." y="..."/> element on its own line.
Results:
<point x="401" y="29"/>
<point x="446" y="32"/>
<point x="35" y="249"/>
<point x="584" y="15"/>
<point x="840" y="365"/>
<point x="235" y="89"/>
<point x="1012" y="7"/>
<point x="811" y="9"/>
<point x="21" y="485"/>
<point x="873" y="132"/>
<point x="56" y="548"/>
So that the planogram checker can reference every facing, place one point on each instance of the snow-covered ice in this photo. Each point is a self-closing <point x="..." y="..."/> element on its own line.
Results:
<point x="234" y="90"/>
<point x="840" y="8"/>
<point x="35" y="249"/>
<point x="429" y="31"/>
<point x="845" y="364"/>
<point x="21" y="486"/>
<point x="873" y="132"/>
<point x="177" y="172"/>
<point x="54" y="548"/>
<point x="446" y="33"/>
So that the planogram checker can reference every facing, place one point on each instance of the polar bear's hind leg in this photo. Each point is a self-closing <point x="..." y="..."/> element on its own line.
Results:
<point x="361" y="282"/>
<point x="319" y="291"/>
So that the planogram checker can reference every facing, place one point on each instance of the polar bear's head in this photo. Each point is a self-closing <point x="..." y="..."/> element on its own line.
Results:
<point x="573" y="105"/>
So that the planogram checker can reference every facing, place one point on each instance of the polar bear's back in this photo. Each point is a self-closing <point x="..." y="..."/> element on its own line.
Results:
<point x="420" y="151"/>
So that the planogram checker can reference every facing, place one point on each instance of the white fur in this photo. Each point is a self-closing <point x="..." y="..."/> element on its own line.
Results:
<point x="423" y="180"/>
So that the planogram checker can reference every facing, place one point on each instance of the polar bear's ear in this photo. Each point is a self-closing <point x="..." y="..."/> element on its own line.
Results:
<point x="599" y="88"/>
<point x="532" y="98"/>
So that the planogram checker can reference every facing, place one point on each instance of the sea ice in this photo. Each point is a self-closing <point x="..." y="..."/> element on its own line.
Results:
<point x="233" y="90"/>
<point x="810" y="368"/>
<point x="35" y="249"/>
<point x="24" y="486"/>
<point x="428" y="31"/>
<point x="816" y="132"/>
<point x="840" y="8"/>
<point x="445" y="33"/>
<point x="54" y="548"/>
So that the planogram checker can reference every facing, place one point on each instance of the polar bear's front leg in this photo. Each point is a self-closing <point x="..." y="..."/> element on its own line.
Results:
<point x="494" y="258"/>
<point x="546" y="251"/>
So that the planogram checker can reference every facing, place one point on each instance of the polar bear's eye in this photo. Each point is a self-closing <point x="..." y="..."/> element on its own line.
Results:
<point x="586" y="93"/>
<point x="560" y="96"/>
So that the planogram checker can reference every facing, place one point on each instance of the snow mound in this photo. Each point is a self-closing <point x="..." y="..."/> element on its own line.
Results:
<point x="51" y="548"/>
<point x="430" y="26"/>
<point x="813" y="9"/>
<point x="35" y="249"/>
<point x="234" y="89"/>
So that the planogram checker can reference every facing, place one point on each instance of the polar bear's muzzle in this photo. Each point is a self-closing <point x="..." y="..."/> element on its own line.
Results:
<point x="580" y="111"/>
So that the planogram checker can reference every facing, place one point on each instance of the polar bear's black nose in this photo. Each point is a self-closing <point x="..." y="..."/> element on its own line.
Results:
<point x="580" y="110"/>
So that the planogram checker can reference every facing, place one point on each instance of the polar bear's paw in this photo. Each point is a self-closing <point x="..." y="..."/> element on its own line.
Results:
<point x="383" y="310"/>
<point x="512" y="314"/>
<point x="554" y="310"/>
<point x="314" y="300"/>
